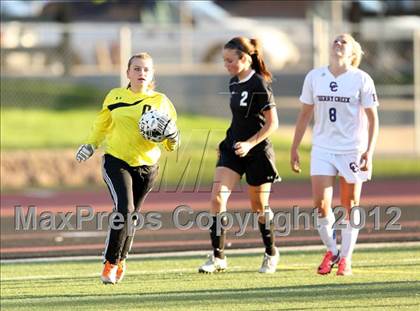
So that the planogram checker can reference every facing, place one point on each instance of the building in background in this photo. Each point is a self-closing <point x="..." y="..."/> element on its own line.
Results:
<point x="88" y="34"/>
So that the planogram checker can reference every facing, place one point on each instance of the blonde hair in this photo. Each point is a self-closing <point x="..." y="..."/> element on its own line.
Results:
<point x="357" y="50"/>
<point x="144" y="56"/>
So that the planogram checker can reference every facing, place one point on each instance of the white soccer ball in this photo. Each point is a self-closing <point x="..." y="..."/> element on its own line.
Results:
<point x="153" y="124"/>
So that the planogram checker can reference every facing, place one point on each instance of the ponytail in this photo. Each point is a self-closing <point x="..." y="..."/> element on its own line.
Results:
<point x="258" y="63"/>
<point x="358" y="53"/>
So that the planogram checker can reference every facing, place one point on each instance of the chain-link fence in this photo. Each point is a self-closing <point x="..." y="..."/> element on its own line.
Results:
<point x="66" y="66"/>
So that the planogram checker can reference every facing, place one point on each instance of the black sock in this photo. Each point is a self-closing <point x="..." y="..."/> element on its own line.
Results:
<point x="217" y="241"/>
<point x="267" y="235"/>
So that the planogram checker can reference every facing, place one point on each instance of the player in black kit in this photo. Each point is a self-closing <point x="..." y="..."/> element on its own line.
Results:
<point x="246" y="149"/>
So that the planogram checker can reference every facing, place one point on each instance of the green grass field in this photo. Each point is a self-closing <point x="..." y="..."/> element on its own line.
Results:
<point x="386" y="279"/>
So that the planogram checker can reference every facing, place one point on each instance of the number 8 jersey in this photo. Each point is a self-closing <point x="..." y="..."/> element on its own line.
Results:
<point x="340" y="123"/>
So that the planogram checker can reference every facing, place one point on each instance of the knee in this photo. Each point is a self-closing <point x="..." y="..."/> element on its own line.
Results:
<point x="257" y="206"/>
<point x="348" y="203"/>
<point x="125" y="210"/>
<point x="265" y="214"/>
<point x="322" y="203"/>
<point x="217" y="203"/>
<point x="323" y="206"/>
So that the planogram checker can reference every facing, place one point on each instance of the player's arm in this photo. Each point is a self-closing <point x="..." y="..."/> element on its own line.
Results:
<point x="373" y="130"/>
<point x="270" y="126"/>
<point x="305" y="115"/>
<point x="369" y="102"/>
<point x="100" y="128"/>
<point x="173" y="139"/>
<point x="97" y="134"/>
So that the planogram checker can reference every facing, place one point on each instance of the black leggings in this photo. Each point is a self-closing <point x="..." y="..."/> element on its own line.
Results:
<point x="128" y="187"/>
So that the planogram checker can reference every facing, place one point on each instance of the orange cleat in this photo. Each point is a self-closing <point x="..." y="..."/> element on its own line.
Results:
<point x="109" y="273"/>
<point x="122" y="266"/>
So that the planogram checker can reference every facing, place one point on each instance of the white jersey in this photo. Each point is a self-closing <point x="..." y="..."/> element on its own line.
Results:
<point x="340" y="124"/>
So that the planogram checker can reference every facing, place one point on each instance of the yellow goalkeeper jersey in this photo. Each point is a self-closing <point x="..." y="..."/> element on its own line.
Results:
<point x="116" y="125"/>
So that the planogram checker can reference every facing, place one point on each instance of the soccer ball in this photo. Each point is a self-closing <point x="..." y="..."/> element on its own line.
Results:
<point x="153" y="124"/>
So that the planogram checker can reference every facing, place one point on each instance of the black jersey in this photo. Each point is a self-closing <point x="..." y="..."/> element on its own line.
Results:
<point x="249" y="98"/>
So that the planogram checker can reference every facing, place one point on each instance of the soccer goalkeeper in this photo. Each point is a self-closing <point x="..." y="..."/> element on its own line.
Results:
<point x="130" y="163"/>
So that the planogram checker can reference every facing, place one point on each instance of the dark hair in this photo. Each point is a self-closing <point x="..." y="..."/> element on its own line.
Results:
<point x="251" y="47"/>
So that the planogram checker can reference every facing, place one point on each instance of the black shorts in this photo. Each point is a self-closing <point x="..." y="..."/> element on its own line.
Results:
<point x="258" y="167"/>
<point x="128" y="185"/>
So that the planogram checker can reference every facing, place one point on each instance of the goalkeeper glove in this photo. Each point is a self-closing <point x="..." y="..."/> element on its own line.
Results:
<point x="173" y="142"/>
<point x="172" y="135"/>
<point x="84" y="152"/>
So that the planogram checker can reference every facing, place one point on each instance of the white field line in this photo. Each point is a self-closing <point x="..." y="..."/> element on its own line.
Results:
<point x="236" y="267"/>
<point x="205" y="252"/>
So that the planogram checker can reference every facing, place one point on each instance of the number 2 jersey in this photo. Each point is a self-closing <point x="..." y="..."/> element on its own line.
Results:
<point x="117" y="125"/>
<point x="248" y="99"/>
<point x="340" y="123"/>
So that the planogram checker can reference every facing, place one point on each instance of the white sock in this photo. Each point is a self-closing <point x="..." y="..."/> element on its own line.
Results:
<point x="327" y="233"/>
<point x="348" y="241"/>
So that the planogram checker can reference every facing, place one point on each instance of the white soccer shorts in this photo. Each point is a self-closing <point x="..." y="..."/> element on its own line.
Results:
<point x="332" y="164"/>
